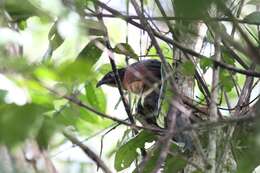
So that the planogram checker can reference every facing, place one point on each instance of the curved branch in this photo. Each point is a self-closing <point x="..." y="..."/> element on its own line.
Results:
<point x="100" y="163"/>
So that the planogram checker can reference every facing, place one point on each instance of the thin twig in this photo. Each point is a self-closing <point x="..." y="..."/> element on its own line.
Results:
<point x="102" y="140"/>
<point x="103" y="115"/>
<point x="243" y="99"/>
<point x="88" y="152"/>
<point x="165" y="140"/>
<point x="174" y="18"/>
<point x="84" y="140"/>
<point x="113" y="65"/>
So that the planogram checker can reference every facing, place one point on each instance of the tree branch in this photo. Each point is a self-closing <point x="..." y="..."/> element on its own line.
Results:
<point x="213" y="114"/>
<point x="100" y="163"/>
<point x="103" y="115"/>
<point x="177" y="44"/>
<point x="173" y="18"/>
<point x="113" y="65"/>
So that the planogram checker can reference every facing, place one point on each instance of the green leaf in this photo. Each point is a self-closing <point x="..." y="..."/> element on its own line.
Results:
<point x="125" y="49"/>
<point x="104" y="69"/>
<point x="194" y="9"/>
<point x="18" y="122"/>
<point x="78" y="71"/>
<point x="55" y="39"/>
<point x="91" y="53"/>
<point x="95" y="97"/>
<point x="38" y="94"/>
<point x="127" y="153"/>
<point x="151" y="163"/>
<point x="20" y="11"/>
<point x="174" y="164"/>
<point x="246" y="146"/>
<point x="227" y="57"/>
<point x="20" y="65"/>
<point x="205" y="63"/>
<point x="66" y="115"/>
<point x="226" y="80"/>
<point x="46" y="73"/>
<point x="188" y="68"/>
<point x="3" y="93"/>
<point x="94" y="27"/>
<point x="46" y="131"/>
<point x="253" y="17"/>
<point x="22" y="24"/>
<point x="81" y="4"/>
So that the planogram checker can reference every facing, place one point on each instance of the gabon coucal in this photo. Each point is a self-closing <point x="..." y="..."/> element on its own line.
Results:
<point x="142" y="78"/>
<point x="137" y="77"/>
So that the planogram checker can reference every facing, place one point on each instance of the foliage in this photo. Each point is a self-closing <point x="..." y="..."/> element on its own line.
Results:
<point x="53" y="53"/>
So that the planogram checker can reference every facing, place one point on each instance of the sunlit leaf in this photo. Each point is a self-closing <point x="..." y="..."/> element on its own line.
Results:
<point x="77" y="71"/>
<point x="125" y="49"/>
<point x="96" y="97"/>
<point x="91" y="52"/>
<point x="45" y="73"/>
<point x="104" y="69"/>
<point x="94" y="27"/>
<point x="22" y="24"/>
<point x="37" y="93"/>
<point x="55" y="39"/>
<point x="167" y="52"/>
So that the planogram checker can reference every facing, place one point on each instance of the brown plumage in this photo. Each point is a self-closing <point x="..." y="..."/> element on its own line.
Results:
<point x="136" y="78"/>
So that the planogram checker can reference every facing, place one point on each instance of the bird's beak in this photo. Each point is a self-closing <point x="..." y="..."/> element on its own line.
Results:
<point x="101" y="82"/>
<point x="104" y="80"/>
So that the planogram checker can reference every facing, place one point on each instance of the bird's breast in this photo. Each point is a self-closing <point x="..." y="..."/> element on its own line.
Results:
<point x="136" y="87"/>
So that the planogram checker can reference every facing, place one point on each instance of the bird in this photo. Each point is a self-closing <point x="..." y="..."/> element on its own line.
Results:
<point x="145" y="77"/>
<point x="137" y="78"/>
<point x="142" y="78"/>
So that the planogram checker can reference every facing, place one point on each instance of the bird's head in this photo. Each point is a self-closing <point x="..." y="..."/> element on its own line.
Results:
<point x="110" y="79"/>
